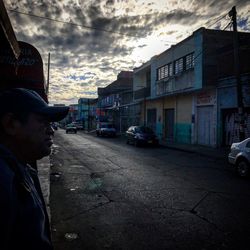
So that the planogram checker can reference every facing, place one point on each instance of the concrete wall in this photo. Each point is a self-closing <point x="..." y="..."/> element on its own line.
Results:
<point x="183" y="119"/>
<point x="182" y="106"/>
<point x="227" y="104"/>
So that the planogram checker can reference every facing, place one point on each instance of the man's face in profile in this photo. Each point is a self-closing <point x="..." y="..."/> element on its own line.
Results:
<point x="35" y="137"/>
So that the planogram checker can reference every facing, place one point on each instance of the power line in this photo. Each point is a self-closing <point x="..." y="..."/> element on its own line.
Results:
<point x="109" y="31"/>
<point x="229" y="24"/>
<point x="70" y="23"/>
<point x="217" y="20"/>
<point x="94" y="28"/>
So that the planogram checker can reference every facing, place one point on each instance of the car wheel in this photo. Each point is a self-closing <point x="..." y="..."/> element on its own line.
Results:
<point x="242" y="168"/>
<point x="66" y="132"/>
<point x="127" y="141"/>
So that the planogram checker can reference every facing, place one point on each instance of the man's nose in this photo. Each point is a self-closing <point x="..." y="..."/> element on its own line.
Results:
<point x="50" y="130"/>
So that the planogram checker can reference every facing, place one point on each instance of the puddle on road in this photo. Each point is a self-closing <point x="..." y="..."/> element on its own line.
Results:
<point x="94" y="184"/>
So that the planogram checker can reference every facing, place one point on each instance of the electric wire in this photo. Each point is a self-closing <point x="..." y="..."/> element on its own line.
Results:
<point x="99" y="29"/>
<point x="217" y="20"/>
<point x="71" y="23"/>
<point x="119" y="33"/>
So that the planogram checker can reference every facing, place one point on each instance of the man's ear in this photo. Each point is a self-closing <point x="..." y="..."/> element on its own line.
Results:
<point x="10" y="124"/>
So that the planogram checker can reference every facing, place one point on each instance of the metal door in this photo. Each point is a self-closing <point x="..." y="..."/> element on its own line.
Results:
<point x="169" y="124"/>
<point x="151" y="119"/>
<point x="204" y="125"/>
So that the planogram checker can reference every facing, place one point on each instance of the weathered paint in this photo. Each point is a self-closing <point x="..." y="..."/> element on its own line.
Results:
<point x="183" y="118"/>
<point x="156" y="104"/>
<point x="183" y="133"/>
<point x="184" y="108"/>
<point x="227" y="109"/>
<point x="206" y="118"/>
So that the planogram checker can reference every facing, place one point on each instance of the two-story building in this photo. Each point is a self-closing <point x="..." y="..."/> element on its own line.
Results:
<point x="114" y="100"/>
<point x="178" y="88"/>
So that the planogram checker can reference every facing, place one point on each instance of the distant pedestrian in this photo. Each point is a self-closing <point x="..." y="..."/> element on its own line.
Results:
<point x="25" y="136"/>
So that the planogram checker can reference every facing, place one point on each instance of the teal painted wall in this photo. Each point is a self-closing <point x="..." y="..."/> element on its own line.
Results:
<point x="159" y="130"/>
<point x="182" y="133"/>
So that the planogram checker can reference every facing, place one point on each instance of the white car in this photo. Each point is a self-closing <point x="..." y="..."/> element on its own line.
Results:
<point x="71" y="128"/>
<point x="239" y="156"/>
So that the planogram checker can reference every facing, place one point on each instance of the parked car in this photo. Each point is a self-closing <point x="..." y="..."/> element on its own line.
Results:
<point x="141" y="135"/>
<point x="239" y="157"/>
<point x="54" y="125"/>
<point x="78" y="125"/>
<point x="71" y="128"/>
<point x="105" y="129"/>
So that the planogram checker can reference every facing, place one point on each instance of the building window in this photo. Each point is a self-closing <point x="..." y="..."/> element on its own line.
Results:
<point x="165" y="71"/>
<point x="170" y="69"/>
<point x="178" y="66"/>
<point x="189" y="61"/>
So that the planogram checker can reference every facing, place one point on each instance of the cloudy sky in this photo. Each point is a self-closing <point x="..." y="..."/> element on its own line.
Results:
<point x="91" y="41"/>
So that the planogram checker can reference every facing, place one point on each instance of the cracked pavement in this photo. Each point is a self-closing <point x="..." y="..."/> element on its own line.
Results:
<point x="117" y="196"/>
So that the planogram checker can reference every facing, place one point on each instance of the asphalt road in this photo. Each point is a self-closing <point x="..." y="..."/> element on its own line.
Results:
<point x="106" y="194"/>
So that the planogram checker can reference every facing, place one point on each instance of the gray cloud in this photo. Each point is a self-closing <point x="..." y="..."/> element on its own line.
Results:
<point x="103" y="54"/>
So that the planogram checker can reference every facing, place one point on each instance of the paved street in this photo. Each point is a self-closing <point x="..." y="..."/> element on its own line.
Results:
<point x="109" y="195"/>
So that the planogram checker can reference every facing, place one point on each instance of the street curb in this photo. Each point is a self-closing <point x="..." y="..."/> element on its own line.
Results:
<point x="215" y="153"/>
<point x="43" y="167"/>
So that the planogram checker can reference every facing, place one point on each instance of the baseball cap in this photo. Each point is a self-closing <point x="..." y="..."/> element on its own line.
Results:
<point x="26" y="100"/>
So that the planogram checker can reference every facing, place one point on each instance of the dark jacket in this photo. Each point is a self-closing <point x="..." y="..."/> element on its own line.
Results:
<point x="24" y="221"/>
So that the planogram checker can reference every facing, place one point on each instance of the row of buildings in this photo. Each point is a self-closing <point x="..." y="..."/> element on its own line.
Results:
<point x="187" y="94"/>
<point x="190" y="93"/>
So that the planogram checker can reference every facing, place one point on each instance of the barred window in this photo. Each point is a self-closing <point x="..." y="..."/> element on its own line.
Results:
<point x="178" y="66"/>
<point x="164" y="71"/>
<point x="170" y="69"/>
<point x="159" y="74"/>
<point x="189" y="61"/>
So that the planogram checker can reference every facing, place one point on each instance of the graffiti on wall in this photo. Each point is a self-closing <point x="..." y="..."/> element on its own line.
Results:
<point x="231" y="127"/>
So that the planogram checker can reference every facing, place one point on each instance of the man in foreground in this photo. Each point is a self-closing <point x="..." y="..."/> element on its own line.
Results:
<point x="25" y="136"/>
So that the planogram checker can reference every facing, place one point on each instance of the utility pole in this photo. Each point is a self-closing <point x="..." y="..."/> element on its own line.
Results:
<point x="47" y="87"/>
<point x="88" y="115"/>
<point x="144" y="106"/>
<point x="233" y="15"/>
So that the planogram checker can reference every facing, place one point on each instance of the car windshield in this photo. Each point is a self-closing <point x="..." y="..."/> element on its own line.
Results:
<point x="107" y="126"/>
<point x="145" y="130"/>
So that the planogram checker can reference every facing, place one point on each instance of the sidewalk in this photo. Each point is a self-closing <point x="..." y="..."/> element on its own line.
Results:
<point x="43" y="167"/>
<point x="216" y="153"/>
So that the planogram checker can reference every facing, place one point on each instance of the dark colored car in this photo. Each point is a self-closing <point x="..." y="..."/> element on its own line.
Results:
<point x="71" y="128"/>
<point x="54" y="126"/>
<point x="141" y="135"/>
<point x="105" y="129"/>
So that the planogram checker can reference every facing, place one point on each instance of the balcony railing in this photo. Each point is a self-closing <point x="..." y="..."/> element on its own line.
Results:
<point x="180" y="82"/>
